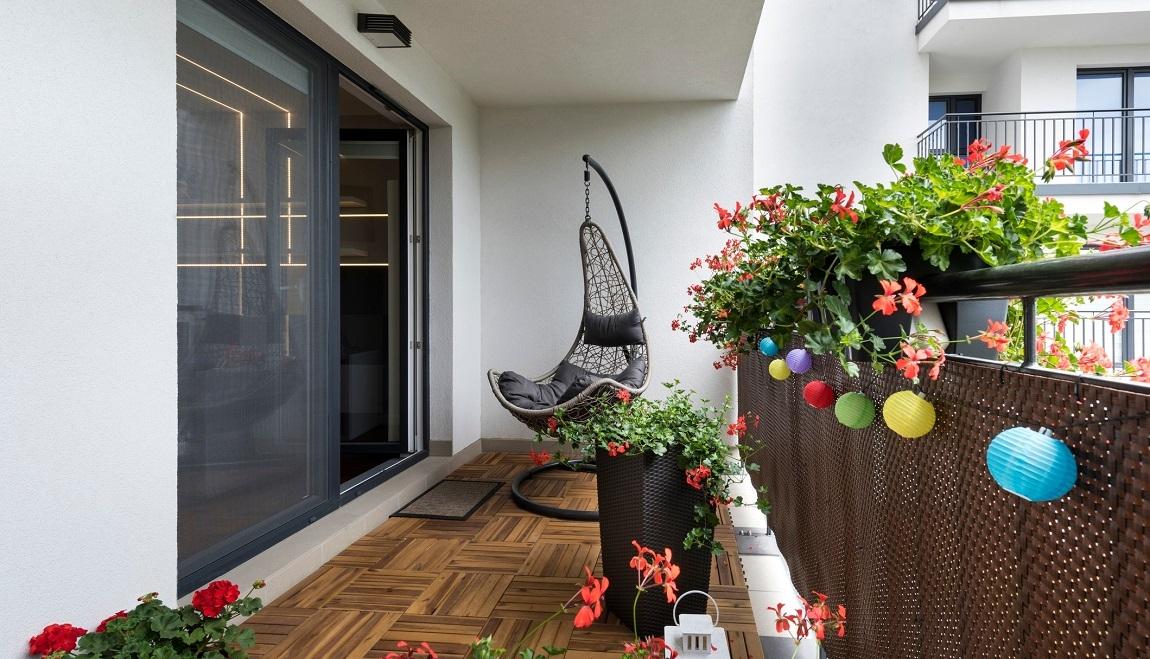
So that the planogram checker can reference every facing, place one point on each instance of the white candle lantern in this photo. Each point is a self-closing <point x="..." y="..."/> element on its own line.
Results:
<point x="695" y="634"/>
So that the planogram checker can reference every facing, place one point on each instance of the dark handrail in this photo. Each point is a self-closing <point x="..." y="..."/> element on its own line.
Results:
<point x="622" y="219"/>
<point x="1118" y="271"/>
<point x="1023" y="114"/>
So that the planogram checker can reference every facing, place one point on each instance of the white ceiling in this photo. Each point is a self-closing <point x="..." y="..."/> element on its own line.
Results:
<point x="549" y="52"/>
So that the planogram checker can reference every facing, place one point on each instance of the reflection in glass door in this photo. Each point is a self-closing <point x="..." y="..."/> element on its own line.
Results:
<point x="253" y="450"/>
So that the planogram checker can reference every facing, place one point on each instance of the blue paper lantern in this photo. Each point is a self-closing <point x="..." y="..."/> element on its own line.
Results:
<point x="768" y="347"/>
<point x="1033" y="465"/>
<point x="799" y="360"/>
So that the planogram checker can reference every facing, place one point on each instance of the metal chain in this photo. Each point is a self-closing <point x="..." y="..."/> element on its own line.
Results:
<point x="587" y="192"/>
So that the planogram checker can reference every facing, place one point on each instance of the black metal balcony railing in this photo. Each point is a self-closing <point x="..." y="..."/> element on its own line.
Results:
<point x="1093" y="327"/>
<point x="1119" y="141"/>
<point x="926" y="6"/>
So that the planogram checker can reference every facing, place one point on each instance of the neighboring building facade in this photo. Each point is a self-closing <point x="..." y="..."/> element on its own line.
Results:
<point x="182" y="400"/>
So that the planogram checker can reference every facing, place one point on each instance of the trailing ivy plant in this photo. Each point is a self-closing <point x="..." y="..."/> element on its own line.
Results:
<point x="709" y="453"/>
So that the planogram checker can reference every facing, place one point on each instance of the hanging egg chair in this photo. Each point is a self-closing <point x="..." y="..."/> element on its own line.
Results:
<point x="609" y="352"/>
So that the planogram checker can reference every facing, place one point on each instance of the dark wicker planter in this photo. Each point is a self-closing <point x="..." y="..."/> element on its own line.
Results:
<point x="646" y="498"/>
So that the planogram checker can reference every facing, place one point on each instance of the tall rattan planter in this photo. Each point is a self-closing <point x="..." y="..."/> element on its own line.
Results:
<point x="646" y="498"/>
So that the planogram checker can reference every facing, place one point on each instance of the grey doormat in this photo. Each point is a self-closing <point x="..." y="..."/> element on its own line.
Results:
<point x="450" y="499"/>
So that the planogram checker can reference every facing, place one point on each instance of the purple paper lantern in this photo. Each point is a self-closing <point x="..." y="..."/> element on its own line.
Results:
<point x="799" y="360"/>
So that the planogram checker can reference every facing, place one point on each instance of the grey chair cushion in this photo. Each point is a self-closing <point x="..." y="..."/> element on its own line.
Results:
<point x="530" y="395"/>
<point x="624" y="329"/>
<point x="569" y="381"/>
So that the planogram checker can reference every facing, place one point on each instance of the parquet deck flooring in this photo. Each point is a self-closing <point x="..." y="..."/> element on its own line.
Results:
<point x="448" y="582"/>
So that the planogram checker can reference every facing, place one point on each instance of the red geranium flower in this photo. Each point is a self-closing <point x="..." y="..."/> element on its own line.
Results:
<point x="552" y="424"/>
<point x="738" y="428"/>
<point x="1118" y="316"/>
<point x="55" y="638"/>
<point x="103" y="626"/>
<point x="409" y="651"/>
<point x="592" y="595"/>
<point x="994" y="336"/>
<point x="540" y="458"/>
<point x="653" y="646"/>
<point x="212" y="599"/>
<point x="911" y="292"/>
<point x="697" y="475"/>
<point x="623" y="395"/>
<point x="842" y="205"/>
<point x="886" y="303"/>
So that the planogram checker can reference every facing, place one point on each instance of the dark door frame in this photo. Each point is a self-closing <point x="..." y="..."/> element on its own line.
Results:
<point x="369" y="479"/>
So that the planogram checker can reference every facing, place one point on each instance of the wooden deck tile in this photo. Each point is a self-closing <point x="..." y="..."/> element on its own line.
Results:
<point x="383" y="590"/>
<point x="450" y="636"/>
<point x="317" y="589"/>
<point x="421" y="554"/>
<point x="507" y="557"/>
<point x="560" y="559"/>
<point x="462" y="594"/>
<point x="333" y="633"/>
<point x="365" y="552"/>
<point x="512" y="528"/>
<point x="505" y="631"/>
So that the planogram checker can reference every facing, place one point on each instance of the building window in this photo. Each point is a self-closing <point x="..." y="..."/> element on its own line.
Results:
<point x="962" y="121"/>
<point x="285" y="404"/>
<point x="1115" y="104"/>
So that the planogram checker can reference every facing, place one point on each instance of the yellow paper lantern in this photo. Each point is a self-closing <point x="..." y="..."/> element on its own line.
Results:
<point x="779" y="369"/>
<point x="908" y="414"/>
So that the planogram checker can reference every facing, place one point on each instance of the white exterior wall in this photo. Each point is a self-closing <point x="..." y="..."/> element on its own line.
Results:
<point x="670" y="162"/>
<point x="834" y="82"/>
<point x="87" y="311"/>
<point x="413" y="79"/>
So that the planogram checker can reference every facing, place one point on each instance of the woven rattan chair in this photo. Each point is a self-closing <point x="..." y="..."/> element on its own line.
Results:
<point x="606" y="292"/>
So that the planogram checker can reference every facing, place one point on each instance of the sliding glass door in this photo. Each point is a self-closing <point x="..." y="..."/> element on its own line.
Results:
<point x="284" y="402"/>
<point x="252" y="391"/>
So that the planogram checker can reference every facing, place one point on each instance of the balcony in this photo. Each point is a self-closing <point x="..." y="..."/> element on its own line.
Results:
<point x="1119" y="144"/>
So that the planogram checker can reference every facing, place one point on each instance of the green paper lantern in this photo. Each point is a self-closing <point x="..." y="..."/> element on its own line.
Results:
<point x="855" y="410"/>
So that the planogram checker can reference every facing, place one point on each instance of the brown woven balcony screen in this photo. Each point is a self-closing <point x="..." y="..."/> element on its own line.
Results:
<point x="934" y="560"/>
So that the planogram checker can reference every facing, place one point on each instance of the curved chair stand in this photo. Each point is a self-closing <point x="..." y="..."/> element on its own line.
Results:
<point x="527" y="504"/>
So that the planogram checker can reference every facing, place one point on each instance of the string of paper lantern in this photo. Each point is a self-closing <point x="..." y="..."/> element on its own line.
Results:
<point x="1033" y="465"/>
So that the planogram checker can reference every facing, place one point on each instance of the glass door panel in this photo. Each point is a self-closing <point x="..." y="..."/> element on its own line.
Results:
<point x="373" y="229"/>
<point x="1100" y="101"/>
<point x="252" y="450"/>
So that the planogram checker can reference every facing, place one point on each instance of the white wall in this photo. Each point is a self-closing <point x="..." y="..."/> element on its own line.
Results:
<point x="670" y="163"/>
<point x="415" y="80"/>
<point x="1050" y="75"/>
<point x="834" y="81"/>
<point x="87" y="311"/>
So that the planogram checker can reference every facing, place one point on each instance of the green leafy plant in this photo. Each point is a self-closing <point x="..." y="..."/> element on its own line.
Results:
<point x="153" y="630"/>
<point x="711" y="459"/>
<point x="793" y="263"/>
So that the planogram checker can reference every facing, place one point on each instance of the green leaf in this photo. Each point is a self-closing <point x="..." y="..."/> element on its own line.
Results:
<point x="553" y="651"/>
<point x="168" y="624"/>
<point x="851" y="368"/>
<point x="886" y="264"/>
<point x="891" y="153"/>
<point x="1131" y="236"/>
<point x="1110" y="211"/>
